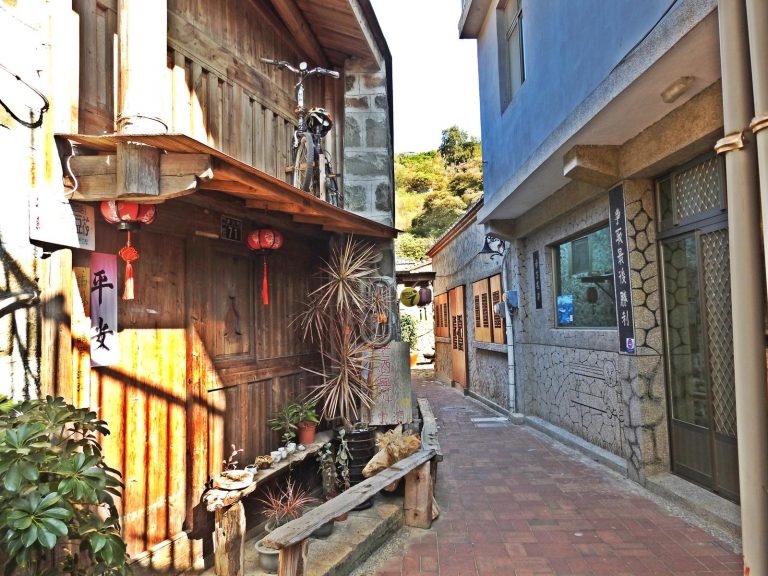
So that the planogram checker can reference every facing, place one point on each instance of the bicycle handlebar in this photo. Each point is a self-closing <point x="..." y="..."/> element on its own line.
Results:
<point x="317" y="70"/>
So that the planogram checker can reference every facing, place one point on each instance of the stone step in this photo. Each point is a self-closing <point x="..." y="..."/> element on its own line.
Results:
<point x="350" y="544"/>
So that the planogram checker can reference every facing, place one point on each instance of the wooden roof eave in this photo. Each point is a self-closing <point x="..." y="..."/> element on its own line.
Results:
<point x="212" y="170"/>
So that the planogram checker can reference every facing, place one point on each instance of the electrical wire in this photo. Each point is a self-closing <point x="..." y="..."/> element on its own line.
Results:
<point x="35" y="123"/>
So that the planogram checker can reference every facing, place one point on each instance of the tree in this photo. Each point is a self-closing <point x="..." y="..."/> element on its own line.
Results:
<point x="409" y="246"/>
<point x="457" y="147"/>
<point x="441" y="209"/>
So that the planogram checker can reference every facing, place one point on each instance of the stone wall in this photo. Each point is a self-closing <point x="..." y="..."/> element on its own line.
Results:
<point x="575" y="378"/>
<point x="368" y="149"/>
<point x="458" y="264"/>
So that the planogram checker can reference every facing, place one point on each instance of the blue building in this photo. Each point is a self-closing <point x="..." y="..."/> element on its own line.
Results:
<point x="621" y="142"/>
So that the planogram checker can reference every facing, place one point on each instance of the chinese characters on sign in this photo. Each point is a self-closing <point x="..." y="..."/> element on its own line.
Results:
<point x="391" y="380"/>
<point x="537" y="279"/>
<point x="621" y="275"/>
<point x="231" y="229"/>
<point x="103" y="295"/>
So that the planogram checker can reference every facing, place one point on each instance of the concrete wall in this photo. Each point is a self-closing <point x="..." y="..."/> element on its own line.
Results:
<point x="368" y="149"/>
<point x="23" y="154"/>
<point x="455" y="265"/>
<point x="570" y="47"/>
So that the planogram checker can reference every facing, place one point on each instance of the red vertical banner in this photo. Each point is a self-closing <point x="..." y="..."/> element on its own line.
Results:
<point x="103" y="292"/>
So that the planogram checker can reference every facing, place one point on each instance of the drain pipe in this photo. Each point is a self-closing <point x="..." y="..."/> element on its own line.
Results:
<point x="757" y="21"/>
<point x="515" y="416"/>
<point x="747" y="283"/>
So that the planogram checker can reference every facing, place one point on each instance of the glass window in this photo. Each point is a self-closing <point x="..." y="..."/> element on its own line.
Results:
<point x="584" y="292"/>
<point x="511" y="61"/>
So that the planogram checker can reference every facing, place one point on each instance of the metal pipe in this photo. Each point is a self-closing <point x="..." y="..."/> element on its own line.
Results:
<point x="511" y="375"/>
<point x="747" y="283"/>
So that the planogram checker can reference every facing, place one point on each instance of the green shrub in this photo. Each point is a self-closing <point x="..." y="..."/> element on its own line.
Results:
<point x="55" y="487"/>
<point x="408" y="330"/>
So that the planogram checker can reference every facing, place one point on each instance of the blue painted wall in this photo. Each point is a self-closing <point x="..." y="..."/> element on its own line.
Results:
<point x="570" y="47"/>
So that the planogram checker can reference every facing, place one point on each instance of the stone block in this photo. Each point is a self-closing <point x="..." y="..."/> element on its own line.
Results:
<point x="356" y="197"/>
<point x="352" y="133"/>
<point x="356" y="102"/>
<point x="383" y="197"/>
<point x="366" y="164"/>
<point x="376" y="133"/>
<point x="373" y="80"/>
<point x="350" y="83"/>
<point x="380" y="102"/>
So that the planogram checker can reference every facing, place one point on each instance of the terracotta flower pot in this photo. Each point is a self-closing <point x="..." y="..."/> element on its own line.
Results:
<point x="414" y="358"/>
<point x="307" y="432"/>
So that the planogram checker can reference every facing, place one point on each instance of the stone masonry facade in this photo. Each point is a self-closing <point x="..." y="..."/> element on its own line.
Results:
<point x="576" y="378"/>
<point x="368" y="147"/>
<point x="459" y="264"/>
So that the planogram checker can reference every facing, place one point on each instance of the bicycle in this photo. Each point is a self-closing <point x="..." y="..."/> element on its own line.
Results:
<point x="310" y="160"/>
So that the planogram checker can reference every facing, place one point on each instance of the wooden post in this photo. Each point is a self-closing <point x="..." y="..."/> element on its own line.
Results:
<point x="142" y="48"/>
<point x="229" y="537"/>
<point x="418" y="496"/>
<point x="293" y="559"/>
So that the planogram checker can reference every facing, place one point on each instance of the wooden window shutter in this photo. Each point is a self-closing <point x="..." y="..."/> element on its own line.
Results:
<point x="498" y="330"/>
<point x="442" y="327"/>
<point x="480" y="294"/>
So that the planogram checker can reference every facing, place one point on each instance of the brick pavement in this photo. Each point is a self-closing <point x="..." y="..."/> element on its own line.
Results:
<point x="514" y="502"/>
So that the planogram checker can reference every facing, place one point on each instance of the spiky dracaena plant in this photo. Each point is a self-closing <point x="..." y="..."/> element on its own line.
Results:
<point x="333" y="320"/>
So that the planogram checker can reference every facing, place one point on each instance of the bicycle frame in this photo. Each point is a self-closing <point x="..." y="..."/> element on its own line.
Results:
<point x="320" y="162"/>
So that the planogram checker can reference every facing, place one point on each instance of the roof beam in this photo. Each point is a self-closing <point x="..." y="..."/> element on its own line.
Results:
<point x="300" y="30"/>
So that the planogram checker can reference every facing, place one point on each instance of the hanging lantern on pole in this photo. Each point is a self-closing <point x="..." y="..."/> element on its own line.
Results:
<point x="128" y="216"/>
<point x="264" y="241"/>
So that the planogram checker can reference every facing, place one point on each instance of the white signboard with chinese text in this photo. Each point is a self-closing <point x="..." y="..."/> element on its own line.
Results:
<point x="103" y="293"/>
<point x="55" y="220"/>
<point x="391" y="381"/>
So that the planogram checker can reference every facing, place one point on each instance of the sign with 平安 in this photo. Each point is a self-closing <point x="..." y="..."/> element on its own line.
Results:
<point x="621" y="273"/>
<point x="103" y="294"/>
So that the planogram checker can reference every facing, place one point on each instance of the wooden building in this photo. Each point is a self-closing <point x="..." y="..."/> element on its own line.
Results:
<point x="167" y="103"/>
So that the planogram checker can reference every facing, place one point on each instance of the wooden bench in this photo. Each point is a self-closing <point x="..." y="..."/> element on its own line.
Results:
<point x="291" y="539"/>
<point x="420" y="472"/>
<point x="227" y="505"/>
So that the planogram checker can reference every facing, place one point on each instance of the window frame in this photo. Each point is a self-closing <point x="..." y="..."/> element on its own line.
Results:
<point x="554" y="254"/>
<point x="508" y="26"/>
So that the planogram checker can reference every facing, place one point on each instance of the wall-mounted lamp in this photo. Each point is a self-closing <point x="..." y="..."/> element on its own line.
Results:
<point x="493" y="246"/>
<point x="677" y="89"/>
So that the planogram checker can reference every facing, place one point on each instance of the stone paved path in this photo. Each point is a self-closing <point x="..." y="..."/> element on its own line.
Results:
<point x="513" y="502"/>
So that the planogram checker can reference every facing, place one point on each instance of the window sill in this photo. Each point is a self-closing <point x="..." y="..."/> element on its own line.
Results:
<point x="491" y="347"/>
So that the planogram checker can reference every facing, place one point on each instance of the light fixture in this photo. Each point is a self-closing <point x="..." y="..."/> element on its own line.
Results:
<point x="677" y="89"/>
<point x="493" y="246"/>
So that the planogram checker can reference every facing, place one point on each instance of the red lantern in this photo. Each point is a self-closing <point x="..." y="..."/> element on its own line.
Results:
<point x="264" y="241"/>
<point x="128" y="216"/>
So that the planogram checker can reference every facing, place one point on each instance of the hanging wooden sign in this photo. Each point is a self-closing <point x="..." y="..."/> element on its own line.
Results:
<point x="103" y="293"/>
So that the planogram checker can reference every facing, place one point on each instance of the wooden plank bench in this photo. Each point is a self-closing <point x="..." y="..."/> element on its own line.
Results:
<point x="227" y="505"/>
<point x="291" y="539"/>
<point x="420" y="472"/>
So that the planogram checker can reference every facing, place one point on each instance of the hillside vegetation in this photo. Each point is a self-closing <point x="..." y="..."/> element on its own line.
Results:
<point x="434" y="188"/>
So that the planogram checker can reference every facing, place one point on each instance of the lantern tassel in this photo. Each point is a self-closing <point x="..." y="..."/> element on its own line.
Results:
<point x="128" y="253"/>
<point x="265" y="285"/>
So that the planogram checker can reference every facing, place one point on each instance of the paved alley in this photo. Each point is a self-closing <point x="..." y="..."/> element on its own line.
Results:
<point x="514" y="502"/>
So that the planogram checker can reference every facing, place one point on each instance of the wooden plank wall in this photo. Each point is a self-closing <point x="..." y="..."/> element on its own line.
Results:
<point x="203" y="364"/>
<point x="216" y="88"/>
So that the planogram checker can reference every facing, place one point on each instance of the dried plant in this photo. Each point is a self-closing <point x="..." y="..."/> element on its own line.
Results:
<point x="336" y="319"/>
<point x="285" y="504"/>
<point x="230" y="463"/>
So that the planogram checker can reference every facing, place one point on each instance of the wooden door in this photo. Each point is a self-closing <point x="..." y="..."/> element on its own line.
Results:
<point x="458" y="336"/>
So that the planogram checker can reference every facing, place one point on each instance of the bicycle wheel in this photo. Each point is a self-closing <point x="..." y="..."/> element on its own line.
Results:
<point x="304" y="162"/>
<point x="331" y="185"/>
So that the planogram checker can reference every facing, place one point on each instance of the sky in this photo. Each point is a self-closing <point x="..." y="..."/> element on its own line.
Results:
<point x="434" y="73"/>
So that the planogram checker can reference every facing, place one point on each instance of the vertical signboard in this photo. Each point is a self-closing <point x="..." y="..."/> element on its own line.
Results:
<point x="103" y="294"/>
<point x="537" y="279"/>
<point x="621" y="276"/>
<point x="391" y="382"/>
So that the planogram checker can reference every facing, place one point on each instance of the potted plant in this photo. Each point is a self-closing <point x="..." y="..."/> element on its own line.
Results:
<point x="409" y="336"/>
<point x="284" y="420"/>
<point x="337" y="319"/>
<point x="306" y="419"/>
<point x="285" y="504"/>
